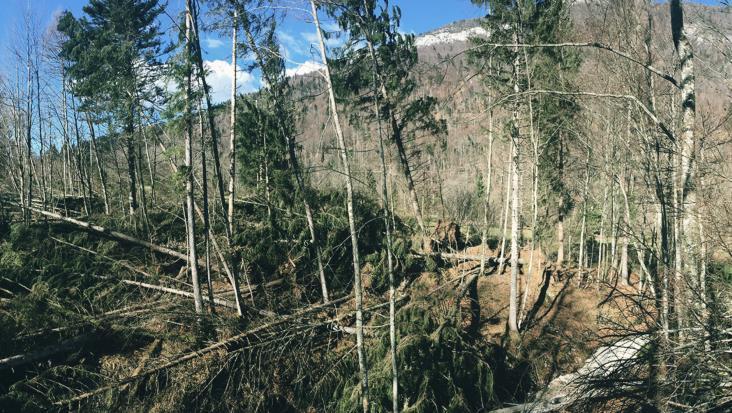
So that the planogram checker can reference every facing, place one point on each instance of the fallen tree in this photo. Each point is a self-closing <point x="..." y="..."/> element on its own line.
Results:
<point x="116" y="235"/>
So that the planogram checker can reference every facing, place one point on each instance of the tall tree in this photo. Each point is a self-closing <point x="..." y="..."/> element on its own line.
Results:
<point x="357" y="286"/>
<point x="188" y="120"/>
<point x="112" y="56"/>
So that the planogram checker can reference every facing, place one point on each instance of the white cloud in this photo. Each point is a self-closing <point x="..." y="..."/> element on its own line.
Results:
<point x="219" y="79"/>
<point x="335" y="39"/>
<point x="304" y="68"/>
<point x="213" y="43"/>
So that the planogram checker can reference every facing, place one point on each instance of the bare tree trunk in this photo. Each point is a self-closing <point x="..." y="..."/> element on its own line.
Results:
<point x="190" y="219"/>
<point x="207" y="216"/>
<point x="232" y="135"/>
<point x="40" y="136"/>
<point x="198" y="61"/>
<point x="513" y="294"/>
<point x="534" y="191"/>
<point x="687" y="247"/>
<point x="585" y="190"/>
<point x="488" y="181"/>
<point x="357" y="288"/>
<point x="100" y="169"/>
<point x="624" y="274"/>
<point x="131" y="155"/>
<point x="150" y="165"/>
<point x="29" y="144"/>
<point x="507" y="198"/>
<point x="560" y="208"/>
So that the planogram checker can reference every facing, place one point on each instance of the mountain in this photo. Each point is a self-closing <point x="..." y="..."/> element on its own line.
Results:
<point x="444" y="73"/>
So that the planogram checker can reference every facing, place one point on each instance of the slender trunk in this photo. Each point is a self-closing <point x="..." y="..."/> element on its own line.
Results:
<point x="40" y="137"/>
<point x="357" y="288"/>
<point x="387" y="226"/>
<point x="560" y="207"/>
<point x="624" y="274"/>
<point x="80" y="172"/>
<point x="150" y="167"/>
<point x="207" y="216"/>
<point x="513" y="294"/>
<point x="603" y="245"/>
<point x="29" y="144"/>
<point x="190" y="220"/>
<point x="488" y="181"/>
<point x="534" y="190"/>
<point x="131" y="156"/>
<point x="507" y="198"/>
<point x="232" y="132"/>
<point x="198" y="61"/>
<point x="100" y="169"/>
<point x="585" y="190"/>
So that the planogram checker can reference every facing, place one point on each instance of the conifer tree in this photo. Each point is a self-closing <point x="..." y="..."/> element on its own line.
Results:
<point x="112" y="56"/>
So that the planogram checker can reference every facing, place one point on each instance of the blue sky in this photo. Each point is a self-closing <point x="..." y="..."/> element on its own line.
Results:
<point x="296" y="32"/>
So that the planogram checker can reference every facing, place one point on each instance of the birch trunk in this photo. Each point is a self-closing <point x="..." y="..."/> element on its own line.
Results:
<point x="357" y="288"/>
<point x="513" y="294"/>
<point x="688" y="249"/>
<point x="100" y="169"/>
<point x="190" y="220"/>
<point x="232" y="132"/>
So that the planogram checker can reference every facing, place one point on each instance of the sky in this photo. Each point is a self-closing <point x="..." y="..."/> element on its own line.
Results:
<point x="296" y="33"/>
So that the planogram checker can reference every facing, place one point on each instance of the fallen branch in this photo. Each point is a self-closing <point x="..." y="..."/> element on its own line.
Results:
<point x="174" y="291"/>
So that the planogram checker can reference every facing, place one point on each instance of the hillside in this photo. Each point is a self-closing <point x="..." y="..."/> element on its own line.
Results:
<point x="445" y="74"/>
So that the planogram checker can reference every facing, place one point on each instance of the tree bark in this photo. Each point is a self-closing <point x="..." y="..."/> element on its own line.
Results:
<point x="232" y="132"/>
<point x="515" y="135"/>
<point x="688" y="249"/>
<point x="100" y="169"/>
<point x="190" y="218"/>
<point x="357" y="288"/>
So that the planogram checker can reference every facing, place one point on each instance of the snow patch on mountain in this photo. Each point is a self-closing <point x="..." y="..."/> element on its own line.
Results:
<point x="446" y="36"/>
<point x="304" y="68"/>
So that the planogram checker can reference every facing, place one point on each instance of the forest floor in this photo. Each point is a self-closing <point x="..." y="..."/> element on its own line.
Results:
<point x="563" y="325"/>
